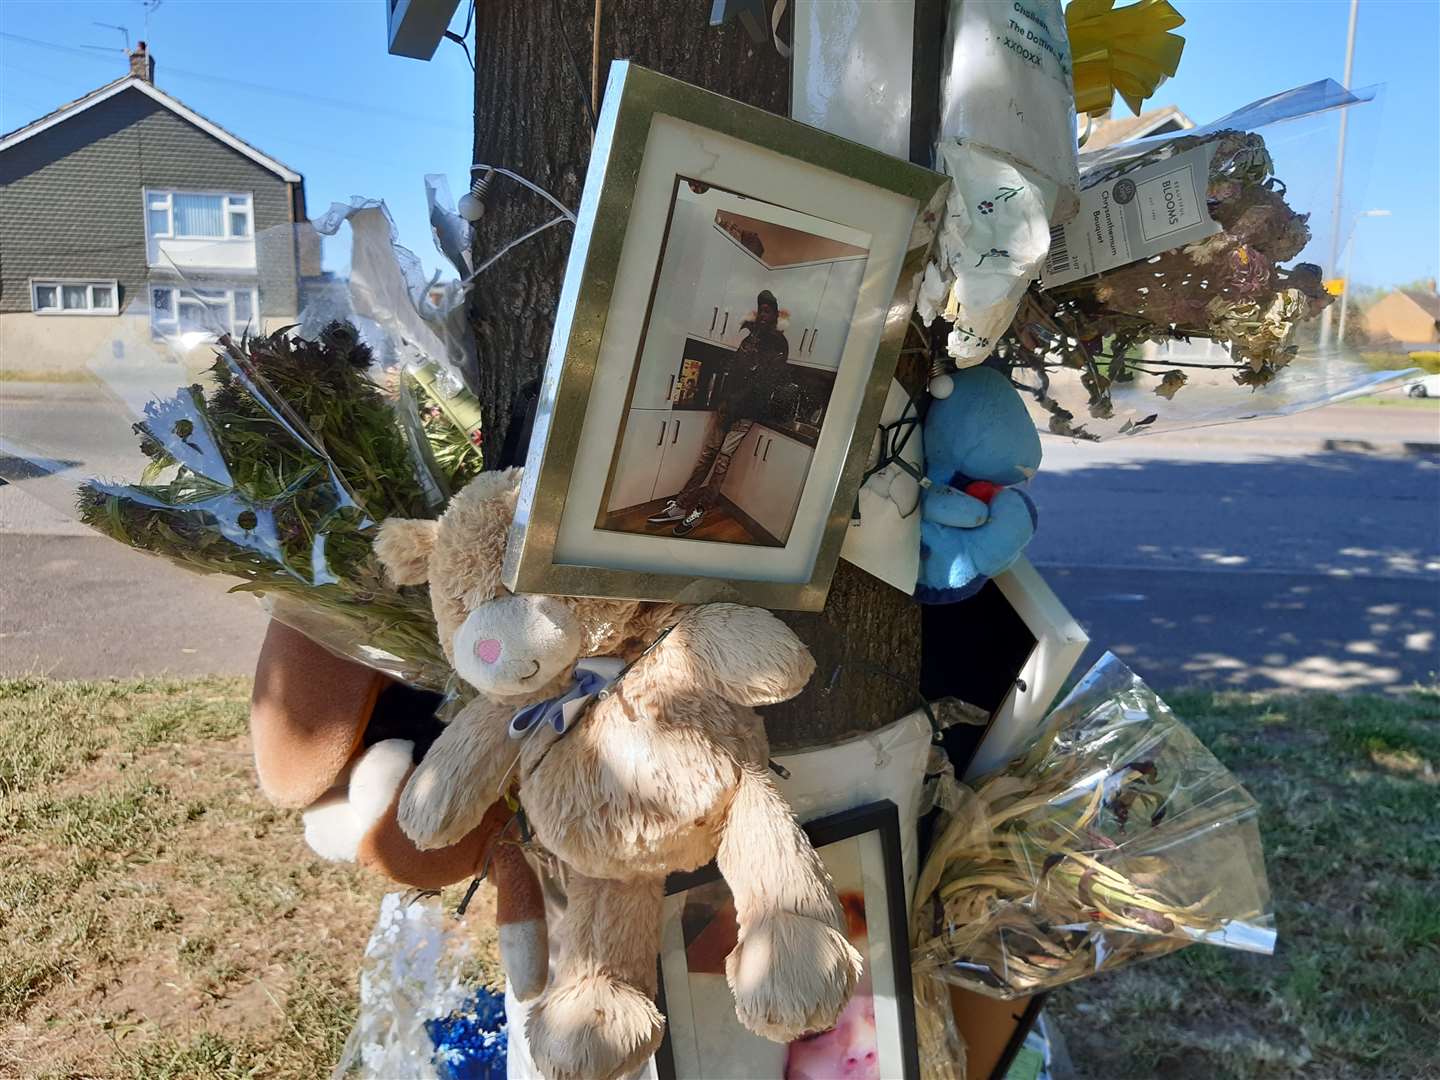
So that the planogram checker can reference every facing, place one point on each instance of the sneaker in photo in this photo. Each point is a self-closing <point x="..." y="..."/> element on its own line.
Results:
<point x="672" y="512"/>
<point x="692" y="519"/>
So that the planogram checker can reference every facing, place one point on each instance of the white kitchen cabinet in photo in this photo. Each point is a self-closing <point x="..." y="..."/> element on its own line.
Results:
<point x="767" y="478"/>
<point x="670" y="315"/>
<point x="784" y="464"/>
<point x="737" y="486"/>
<point x="682" y="447"/>
<point x="641" y="451"/>
<point x="747" y="277"/>
<point x="715" y="259"/>
<point x="799" y="290"/>
<point x="826" y="341"/>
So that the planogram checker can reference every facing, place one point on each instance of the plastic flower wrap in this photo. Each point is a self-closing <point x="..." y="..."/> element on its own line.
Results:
<point x="1115" y="838"/>
<point x="277" y="471"/>
<point x="422" y="1014"/>
<point x="263" y="430"/>
<point x="1189" y="290"/>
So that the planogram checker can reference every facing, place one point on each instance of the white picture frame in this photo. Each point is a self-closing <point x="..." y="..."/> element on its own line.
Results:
<point x="1059" y="643"/>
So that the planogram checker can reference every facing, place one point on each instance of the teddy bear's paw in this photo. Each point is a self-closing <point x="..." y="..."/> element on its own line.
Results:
<point x="791" y="975"/>
<point x="595" y="1028"/>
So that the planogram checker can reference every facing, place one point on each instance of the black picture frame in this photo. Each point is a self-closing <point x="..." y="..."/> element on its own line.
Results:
<point x="882" y="818"/>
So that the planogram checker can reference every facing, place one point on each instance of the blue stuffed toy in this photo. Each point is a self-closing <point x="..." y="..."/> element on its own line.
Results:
<point x="973" y="524"/>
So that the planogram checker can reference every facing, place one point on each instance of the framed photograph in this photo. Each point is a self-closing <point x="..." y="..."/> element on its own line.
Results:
<point x="736" y="297"/>
<point x="1022" y="644"/>
<point x="875" y="1035"/>
<point x="886" y="95"/>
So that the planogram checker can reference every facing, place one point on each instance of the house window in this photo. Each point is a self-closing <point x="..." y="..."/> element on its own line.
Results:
<point x="176" y="309"/>
<point x="74" y="297"/>
<point x="196" y="215"/>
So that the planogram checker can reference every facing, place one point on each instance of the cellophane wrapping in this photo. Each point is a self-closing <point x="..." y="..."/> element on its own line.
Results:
<point x="262" y="428"/>
<point x="423" y="1013"/>
<point x="1129" y="331"/>
<point x="1116" y="837"/>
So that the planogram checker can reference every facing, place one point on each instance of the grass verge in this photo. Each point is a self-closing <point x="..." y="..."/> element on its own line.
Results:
<point x="1350" y="796"/>
<point x="1397" y="399"/>
<point x="46" y="375"/>
<point x="160" y="920"/>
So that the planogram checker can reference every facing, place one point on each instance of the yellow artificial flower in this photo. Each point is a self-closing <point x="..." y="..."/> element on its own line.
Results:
<point x="1128" y="49"/>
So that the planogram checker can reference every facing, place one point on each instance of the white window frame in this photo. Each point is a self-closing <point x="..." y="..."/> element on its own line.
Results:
<point x="169" y="327"/>
<point x="58" y="284"/>
<point x="230" y="202"/>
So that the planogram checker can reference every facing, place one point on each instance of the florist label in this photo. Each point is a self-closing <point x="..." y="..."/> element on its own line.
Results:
<point x="1133" y="216"/>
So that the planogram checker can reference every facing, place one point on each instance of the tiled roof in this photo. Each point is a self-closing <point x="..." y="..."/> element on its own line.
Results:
<point x="1429" y="301"/>
<point x="1120" y="129"/>
<point x="110" y="89"/>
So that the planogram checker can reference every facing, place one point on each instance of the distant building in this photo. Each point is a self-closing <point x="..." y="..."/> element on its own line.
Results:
<point x="1406" y="316"/>
<point x="128" y="201"/>
<point x="1111" y="130"/>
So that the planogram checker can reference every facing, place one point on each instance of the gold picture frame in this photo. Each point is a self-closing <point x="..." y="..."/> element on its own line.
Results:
<point x="653" y="130"/>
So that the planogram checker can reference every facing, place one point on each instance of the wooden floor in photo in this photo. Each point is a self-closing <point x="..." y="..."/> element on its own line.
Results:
<point x="724" y="522"/>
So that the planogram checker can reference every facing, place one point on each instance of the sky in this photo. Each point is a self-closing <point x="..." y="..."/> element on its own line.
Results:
<point x="310" y="82"/>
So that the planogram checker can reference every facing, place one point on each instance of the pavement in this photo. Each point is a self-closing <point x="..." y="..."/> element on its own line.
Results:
<point x="74" y="604"/>
<point x="1299" y="552"/>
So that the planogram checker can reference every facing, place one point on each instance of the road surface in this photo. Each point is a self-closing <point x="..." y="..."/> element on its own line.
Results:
<point x="1297" y="552"/>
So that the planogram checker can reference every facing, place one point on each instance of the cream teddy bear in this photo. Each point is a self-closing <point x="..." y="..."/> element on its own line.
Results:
<point x="664" y="771"/>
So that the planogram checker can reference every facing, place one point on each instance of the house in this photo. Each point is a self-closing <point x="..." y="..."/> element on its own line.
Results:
<point x="1406" y="316"/>
<point x="1109" y="130"/>
<point x="126" y="212"/>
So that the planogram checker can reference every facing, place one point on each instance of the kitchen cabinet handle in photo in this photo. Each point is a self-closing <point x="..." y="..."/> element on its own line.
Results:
<point x="802" y="341"/>
<point x="813" y="335"/>
<point x="670" y="389"/>
<point x="766" y="456"/>
<point x="676" y="435"/>
<point x="713" y="317"/>
<point x="661" y="441"/>
<point x="725" y="326"/>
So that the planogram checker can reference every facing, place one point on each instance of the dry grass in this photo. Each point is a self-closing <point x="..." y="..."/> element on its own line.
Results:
<point x="160" y="919"/>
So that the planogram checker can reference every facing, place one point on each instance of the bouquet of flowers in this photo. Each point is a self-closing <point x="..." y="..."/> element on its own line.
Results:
<point x="1116" y="837"/>
<point x="1180" y="274"/>
<point x="278" y="473"/>
<point x="1229" y="287"/>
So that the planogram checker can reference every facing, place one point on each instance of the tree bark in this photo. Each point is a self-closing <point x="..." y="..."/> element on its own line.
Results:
<point x="530" y="117"/>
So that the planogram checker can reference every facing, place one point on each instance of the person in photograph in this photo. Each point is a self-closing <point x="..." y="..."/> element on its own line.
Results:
<point x="753" y="373"/>
<point x="850" y="1050"/>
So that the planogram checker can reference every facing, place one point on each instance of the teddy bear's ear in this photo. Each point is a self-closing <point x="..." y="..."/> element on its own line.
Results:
<point x="493" y="483"/>
<point x="403" y="546"/>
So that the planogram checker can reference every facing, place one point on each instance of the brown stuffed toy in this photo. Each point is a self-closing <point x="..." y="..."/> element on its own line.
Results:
<point x="338" y="740"/>
<point x="664" y="770"/>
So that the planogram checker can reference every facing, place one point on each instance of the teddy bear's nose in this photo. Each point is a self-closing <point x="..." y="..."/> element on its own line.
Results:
<point x="487" y="651"/>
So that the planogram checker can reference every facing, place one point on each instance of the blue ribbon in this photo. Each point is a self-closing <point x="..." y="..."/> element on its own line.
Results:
<point x="586" y="683"/>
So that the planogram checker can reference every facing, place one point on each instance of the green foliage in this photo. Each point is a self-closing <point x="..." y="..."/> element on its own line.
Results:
<point x="279" y="474"/>
<point x="1427" y="361"/>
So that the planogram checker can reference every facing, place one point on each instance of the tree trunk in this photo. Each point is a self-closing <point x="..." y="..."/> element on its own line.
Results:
<point x="530" y="117"/>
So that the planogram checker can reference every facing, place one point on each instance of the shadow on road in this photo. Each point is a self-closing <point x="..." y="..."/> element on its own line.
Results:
<point x="1316" y="572"/>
